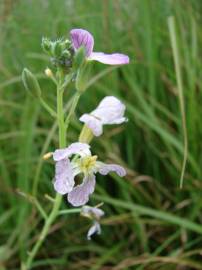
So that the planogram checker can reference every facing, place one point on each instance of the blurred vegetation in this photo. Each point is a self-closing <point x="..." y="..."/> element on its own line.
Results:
<point x="150" y="222"/>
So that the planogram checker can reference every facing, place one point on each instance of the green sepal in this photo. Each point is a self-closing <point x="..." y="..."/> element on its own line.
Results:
<point x="46" y="45"/>
<point x="83" y="76"/>
<point x="57" y="48"/>
<point x="31" y="83"/>
<point x="79" y="58"/>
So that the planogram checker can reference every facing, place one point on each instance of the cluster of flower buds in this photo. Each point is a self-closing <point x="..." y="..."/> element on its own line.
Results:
<point x="60" y="51"/>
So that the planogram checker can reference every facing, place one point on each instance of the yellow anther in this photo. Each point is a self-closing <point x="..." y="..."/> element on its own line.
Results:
<point x="87" y="163"/>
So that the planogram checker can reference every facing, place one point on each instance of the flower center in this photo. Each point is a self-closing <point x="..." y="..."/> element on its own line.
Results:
<point x="86" y="164"/>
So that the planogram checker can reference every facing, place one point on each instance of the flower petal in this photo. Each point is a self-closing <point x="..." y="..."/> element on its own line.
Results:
<point x="64" y="177"/>
<point x="80" y="194"/>
<point x="81" y="149"/>
<point x="92" y="212"/>
<point x="95" y="228"/>
<point x="110" y="59"/>
<point x="104" y="169"/>
<point x="81" y="37"/>
<point x="93" y="123"/>
<point x="109" y="111"/>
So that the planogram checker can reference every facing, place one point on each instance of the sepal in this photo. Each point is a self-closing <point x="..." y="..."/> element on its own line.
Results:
<point x="79" y="58"/>
<point x="83" y="76"/>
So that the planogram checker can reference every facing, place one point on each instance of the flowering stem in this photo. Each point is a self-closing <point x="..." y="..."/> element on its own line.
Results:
<point x="72" y="109"/>
<point x="44" y="232"/>
<point x="60" y="113"/>
<point x="57" y="202"/>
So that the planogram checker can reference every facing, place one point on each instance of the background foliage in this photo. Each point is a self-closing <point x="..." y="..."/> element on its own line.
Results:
<point x="150" y="222"/>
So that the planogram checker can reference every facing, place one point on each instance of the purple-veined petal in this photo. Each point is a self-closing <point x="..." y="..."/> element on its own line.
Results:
<point x="80" y="194"/>
<point x="104" y="169"/>
<point x="110" y="59"/>
<point x="81" y="37"/>
<point x="64" y="177"/>
<point x="81" y="149"/>
<point x="93" y="123"/>
<point x="95" y="228"/>
<point x="92" y="212"/>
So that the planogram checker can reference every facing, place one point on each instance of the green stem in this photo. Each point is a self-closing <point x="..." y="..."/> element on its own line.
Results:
<point x="40" y="209"/>
<point x="44" y="231"/>
<point x="69" y="211"/>
<point x="60" y="113"/>
<point x="58" y="198"/>
<point x="72" y="109"/>
<point x="48" y="108"/>
<point x="38" y="206"/>
<point x="34" y="201"/>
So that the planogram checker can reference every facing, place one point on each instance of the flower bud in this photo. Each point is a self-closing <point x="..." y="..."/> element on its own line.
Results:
<point x="57" y="49"/>
<point x="79" y="58"/>
<point x="46" y="45"/>
<point x="66" y="54"/>
<point x="67" y="43"/>
<point x="47" y="156"/>
<point x="48" y="72"/>
<point x="30" y="83"/>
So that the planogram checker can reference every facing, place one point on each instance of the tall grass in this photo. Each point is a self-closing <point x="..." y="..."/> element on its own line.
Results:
<point x="150" y="222"/>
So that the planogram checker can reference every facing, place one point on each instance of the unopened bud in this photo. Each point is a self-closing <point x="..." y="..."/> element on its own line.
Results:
<point x="47" y="156"/>
<point x="31" y="83"/>
<point x="57" y="48"/>
<point x="46" y="45"/>
<point x="48" y="72"/>
<point x="66" y="54"/>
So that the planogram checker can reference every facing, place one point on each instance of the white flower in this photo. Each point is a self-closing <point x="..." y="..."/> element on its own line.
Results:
<point x="109" y="111"/>
<point x="95" y="214"/>
<point x="83" y="163"/>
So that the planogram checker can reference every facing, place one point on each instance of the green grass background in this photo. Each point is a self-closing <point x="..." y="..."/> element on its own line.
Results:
<point x="150" y="223"/>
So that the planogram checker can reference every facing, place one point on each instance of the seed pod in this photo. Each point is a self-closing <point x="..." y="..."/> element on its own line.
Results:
<point x="30" y="83"/>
